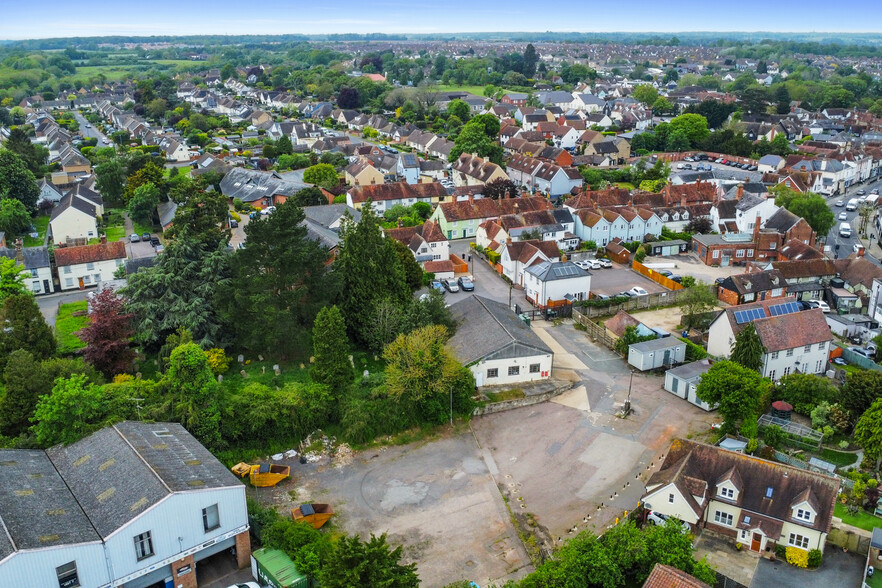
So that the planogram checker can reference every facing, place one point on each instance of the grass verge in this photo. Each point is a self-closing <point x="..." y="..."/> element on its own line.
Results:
<point x="71" y="318"/>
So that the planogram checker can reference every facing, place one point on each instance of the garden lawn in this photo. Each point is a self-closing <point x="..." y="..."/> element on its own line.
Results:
<point x="66" y="324"/>
<point x="115" y="233"/>
<point x="862" y="520"/>
<point x="839" y="458"/>
<point x="42" y="225"/>
<point x="476" y="90"/>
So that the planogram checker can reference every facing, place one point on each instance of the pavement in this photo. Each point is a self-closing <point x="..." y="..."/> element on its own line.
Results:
<point x="838" y="569"/>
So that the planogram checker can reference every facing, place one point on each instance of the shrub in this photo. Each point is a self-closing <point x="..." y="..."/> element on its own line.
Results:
<point x="640" y="255"/>
<point x="797" y="557"/>
<point x="235" y="216"/>
<point x="843" y="444"/>
<point x="814" y="558"/>
<point x="218" y="361"/>
<point x="493" y="256"/>
<point x="693" y="352"/>
<point x="238" y="204"/>
<point x="780" y="551"/>
<point x="773" y="435"/>
<point x="751" y="445"/>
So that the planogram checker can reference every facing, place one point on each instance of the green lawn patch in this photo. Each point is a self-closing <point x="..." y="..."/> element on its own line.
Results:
<point x="71" y="318"/>
<point x="875" y="581"/>
<point x="476" y="90"/>
<point x="513" y="394"/>
<point x="839" y="458"/>
<point x="861" y="520"/>
<point x="115" y="233"/>
<point x="41" y="223"/>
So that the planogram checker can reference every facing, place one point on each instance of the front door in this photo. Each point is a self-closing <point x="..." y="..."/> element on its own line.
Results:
<point x="756" y="542"/>
<point x="46" y="286"/>
<point x="82" y="284"/>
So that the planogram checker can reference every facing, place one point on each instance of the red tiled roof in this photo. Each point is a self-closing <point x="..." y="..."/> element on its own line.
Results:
<point x="663" y="576"/>
<point x="487" y="208"/>
<point x="788" y="331"/>
<point x="90" y="253"/>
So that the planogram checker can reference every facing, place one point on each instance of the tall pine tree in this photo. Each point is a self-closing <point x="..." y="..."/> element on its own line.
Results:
<point x="748" y="350"/>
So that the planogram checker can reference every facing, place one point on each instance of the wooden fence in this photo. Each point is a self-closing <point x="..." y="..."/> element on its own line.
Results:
<point x="655" y="276"/>
<point x="636" y="303"/>
<point x="593" y="330"/>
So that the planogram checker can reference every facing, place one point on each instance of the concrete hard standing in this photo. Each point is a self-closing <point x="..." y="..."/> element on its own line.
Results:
<point x="437" y="499"/>
<point x="837" y="569"/>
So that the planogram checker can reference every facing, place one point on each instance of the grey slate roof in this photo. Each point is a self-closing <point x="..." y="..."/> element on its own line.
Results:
<point x="36" y="508"/>
<point x="548" y="271"/>
<point x="120" y="471"/>
<point x="656" y="344"/>
<point x="71" y="201"/>
<point x="320" y="218"/>
<point x="487" y="329"/>
<point x="34" y="257"/>
<point x="252" y="185"/>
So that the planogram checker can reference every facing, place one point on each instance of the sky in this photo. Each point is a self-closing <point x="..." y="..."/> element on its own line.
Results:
<point x="57" y="18"/>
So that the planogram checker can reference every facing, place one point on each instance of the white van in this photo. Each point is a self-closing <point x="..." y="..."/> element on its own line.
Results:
<point x="852" y="204"/>
<point x="844" y="230"/>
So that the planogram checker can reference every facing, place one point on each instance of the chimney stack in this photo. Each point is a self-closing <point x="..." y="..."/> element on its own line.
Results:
<point x="756" y="229"/>
<point x="740" y="192"/>
<point x="471" y="198"/>
<point x="19" y="253"/>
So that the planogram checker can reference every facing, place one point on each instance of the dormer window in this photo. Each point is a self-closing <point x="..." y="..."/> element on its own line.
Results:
<point x="727" y="493"/>
<point x="803" y="515"/>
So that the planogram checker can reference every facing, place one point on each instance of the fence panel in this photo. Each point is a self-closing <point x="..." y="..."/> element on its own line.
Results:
<point x="858" y="359"/>
<point x="595" y="331"/>
<point x="655" y="276"/>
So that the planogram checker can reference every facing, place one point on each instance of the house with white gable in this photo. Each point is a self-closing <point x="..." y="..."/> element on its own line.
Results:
<point x="586" y="102"/>
<point x="549" y="284"/>
<point x="517" y="256"/>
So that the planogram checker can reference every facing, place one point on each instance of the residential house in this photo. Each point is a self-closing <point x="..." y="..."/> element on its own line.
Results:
<point x="35" y="260"/>
<point x="795" y="341"/>
<point x="385" y="196"/>
<point x="74" y="219"/>
<point x="664" y="576"/>
<point x="516" y="257"/>
<point x="656" y="353"/>
<point x="425" y="241"/>
<point x="409" y="168"/>
<point x="323" y="224"/>
<point x="96" y="512"/>
<point x="84" y="193"/>
<point x="460" y="219"/>
<point x="548" y="225"/>
<point x="542" y="176"/>
<point x="683" y="381"/>
<point x="363" y="173"/>
<point x="806" y="279"/>
<point x="48" y="192"/>
<point x="752" y="286"/>
<point x="770" y="164"/>
<point x="758" y="503"/>
<point x="617" y="149"/>
<point x="858" y="274"/>
<point x="549" y="284"/>
<point x="174" y="150"/>
<point x="259" y="189"/>
<point x="86" y="265"/>
<point x="497" y="346"/>
<point x="471" y="170"/>
<point x="515" y="98"/>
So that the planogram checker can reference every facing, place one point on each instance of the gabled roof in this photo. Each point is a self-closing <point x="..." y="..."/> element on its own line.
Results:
<point x="71" y="202"/>
<point x="664" y="576"/>
<point x="789" y="331"/>
<point x="755" y="282"/>
<point x="812" y="268"/>
<point x="396" y="191"/>
<point x="90" y="253"/>
<point x="34" y="257"/>
<point x="782" y="221"/>
<point x="548" y="271"/>
<point x="858" y="270"/>
<point x="485" y="208"/>
<point x="487" y="329"/>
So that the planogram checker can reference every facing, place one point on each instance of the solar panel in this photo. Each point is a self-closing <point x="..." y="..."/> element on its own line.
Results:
<point x="749" y="315"/>
<point x="785" y="308"/>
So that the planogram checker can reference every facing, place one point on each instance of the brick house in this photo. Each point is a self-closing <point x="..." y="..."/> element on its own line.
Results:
<point x="750" y="287"/>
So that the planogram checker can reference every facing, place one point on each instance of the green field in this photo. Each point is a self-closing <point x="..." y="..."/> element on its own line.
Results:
<point x="111" y="72"/>
<point x="66" y="324"/>
<point x="42" y="225"/>
<point x="476" y="90"/>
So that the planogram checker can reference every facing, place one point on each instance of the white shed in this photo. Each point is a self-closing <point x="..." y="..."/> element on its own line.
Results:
<point x="683" y="381"/>
<point x="656" y="353"/>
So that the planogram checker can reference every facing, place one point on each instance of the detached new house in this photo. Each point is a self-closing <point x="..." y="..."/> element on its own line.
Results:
<point x="554" y="283"/>
<point x="87" y="265"/>
<point x="497" y="346"/>
<point x="757" y="503"/>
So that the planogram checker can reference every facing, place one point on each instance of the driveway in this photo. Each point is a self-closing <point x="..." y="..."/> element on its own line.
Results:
<point x="724" y="558"/>
<point x="436" y="499"/>
<point x="838" y="569"/>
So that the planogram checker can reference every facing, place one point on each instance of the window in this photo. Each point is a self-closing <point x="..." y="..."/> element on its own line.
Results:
<point x="739" y="253"/>
<point x="750" y="253"/>
<point x="798" y="541"/>
<point x="90" y="266"/>
<point x="715" y="254"/>
<point x="210" y="518"/>
<point x="789" y="353"/>
<point x="35" y="286"/>
<point x="87" y="280"/>
<point x="822" y="345"/>
<point x="493" y="373"/>
<point x="671" y="498"/>
<point x="68" y="282"/>
<point x="777" y="291"/>
<point x="67" y="575"/>
<point x="772" y="245"/>
<point x="33" y="273"/>
<point x="803" y="515"/>
<point x="727" y="493"/>
<point x="787" y="371"/>
<point x="774" y="355"/>
<point x="534" y="368"/>
<point x="807" y="348"/>
<point x="67" y="269"/>
<point x="749" y="297"/>
<point x="143" y="546"/>
<point x="772" y="375"/>
<point x="819" y="365"/>
<point x="514" y="370"/>
<point x="96" y="277"/>
<point x="750" y="226"/>
<point x="724" y="518"/>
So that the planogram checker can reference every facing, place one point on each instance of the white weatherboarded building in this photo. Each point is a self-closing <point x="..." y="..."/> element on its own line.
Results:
<point x="131" y="505"/>
<point x="497" y="346"/>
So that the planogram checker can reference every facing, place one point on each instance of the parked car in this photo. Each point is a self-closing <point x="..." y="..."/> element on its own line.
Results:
<point x="583" y="263"/>
<point x="657" y="518"/>
<point x="160" y="249"/>
<point x="146" y="236"/>
<point x="624" y="294"/>
<point x="234" y="223"/>
<point x="719" y="281"/>
<point x="675" y="278"/>
<point x="718" y="160"/>
<point x="819" y="304"/>
<point x="154" y="241"/>
<point x="605" y="263"/>
<point x="861" y="351"/>
<point x="466" y="284"/>
<point x="687" y="158"/>
<point x="245" y="585"/>
<point x="839" y="361"/>
<point x="638" y="291"/>
<point x="134" y="238"/>
<point x="451" y="285"/>
<point x="860" y="192"/>
<point x="665" y="273"/>
<point x="268" y="210"/>
<point x="437" y="285"/>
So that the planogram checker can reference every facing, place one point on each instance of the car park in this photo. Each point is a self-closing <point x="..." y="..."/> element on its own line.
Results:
<point x="134" y="238"/>
<point x="718" y="160"/>
<point x="638" y="291"/>
<point x="451" y="285"/>
<point x="687" y="158"/>
<point x="466" y="284"/>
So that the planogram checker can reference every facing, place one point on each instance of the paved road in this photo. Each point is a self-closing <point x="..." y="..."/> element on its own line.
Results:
<point x="846" y="244"/>
<point x="90" y="130"/>
<point x="49" y="303"/>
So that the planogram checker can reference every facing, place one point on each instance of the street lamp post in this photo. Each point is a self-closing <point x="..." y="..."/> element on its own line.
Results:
<point x="450" y="389"/>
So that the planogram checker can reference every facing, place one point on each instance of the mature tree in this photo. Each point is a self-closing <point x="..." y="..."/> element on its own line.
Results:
<point x="868" y="432"/>
<point x="480" y="136"/>
<point x="500" y="188"/>
<point x="143" y="203"/>
<point x="22" y="326"/>
<point x="74" y="409"/>
<point x="107" y="334"/>
<point x="697" y="300"/>
<point x="677" y="141"/>
<point x="283" y="146"/>
<point x="754" y="99"/>
<point x="646" y="94"/>
<point x="748" y="350"/>
<point x="699" y="224"/>
<point x="180" y="290"/>
<point x="714" y="111"/>
<point x="311" y="196"/>
<point x="413" y="273"/>
<point x="369" y="270"/>
<point x="12" y="278"/>
<point x="805" y="391"/>
<point x="662" y="106"/>
<point x="194" y="394"/>
<point x="331" y="350"/>
<point x="812" y="207"/>
<point x="321" y="174"/>
<point x="422" y="374"/>
<point x="459" y="109"/>
<point x="354" y="562"/>
<point x="693" y="125"/>
<point x="150" y="173"/>
<point x="14" y="217"/>
<point x="780" y="145"/>
<point x="348" y="97"/>
<point x="736" y="389"/>
<point x="110" y="180"/>
<point x="17" y="181"/>
<point x="201" y="214"/>
<point x="24" y="382"/>
<point x="528" y="65"/>
<point x="861" y="390"/>
<point x="279" y="283"/>
<point x="32" y="154"/>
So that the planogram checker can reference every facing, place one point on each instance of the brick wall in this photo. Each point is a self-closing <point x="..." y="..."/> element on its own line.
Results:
<point x="243" y="549"/>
